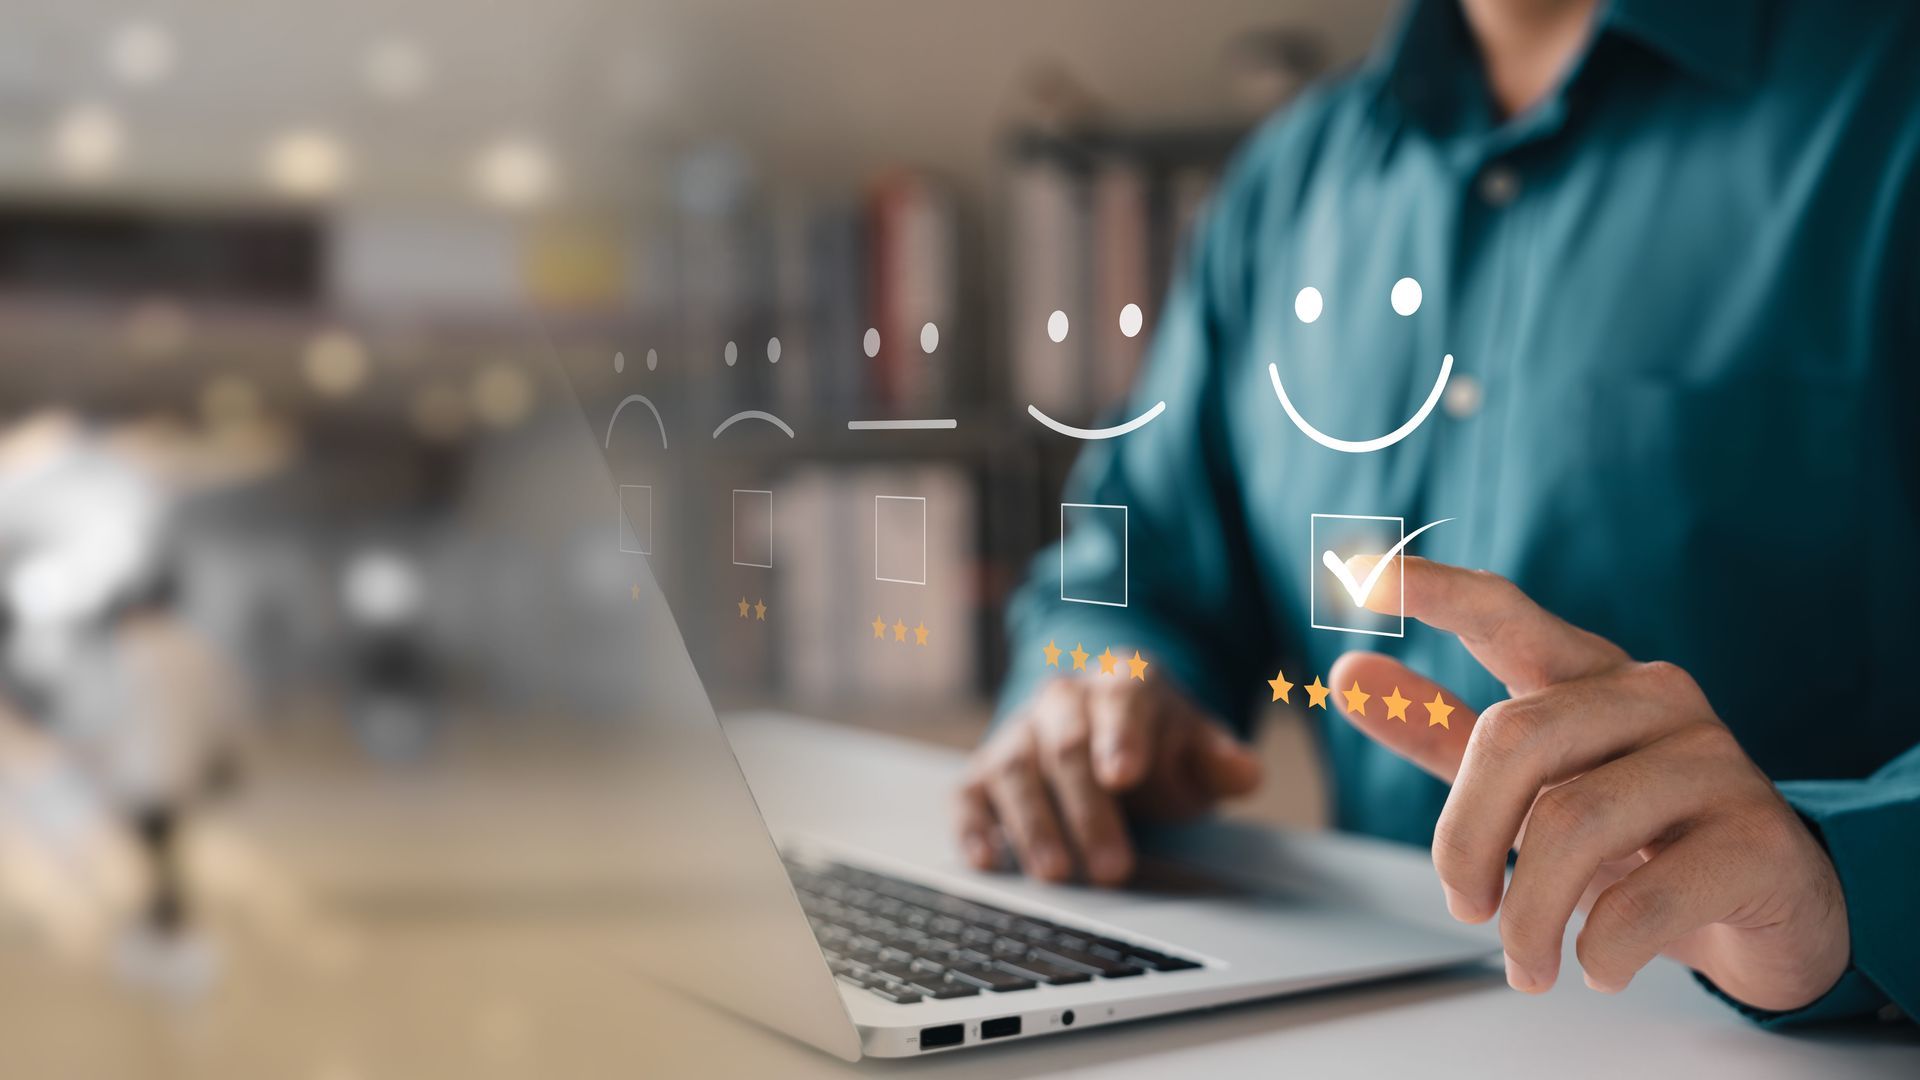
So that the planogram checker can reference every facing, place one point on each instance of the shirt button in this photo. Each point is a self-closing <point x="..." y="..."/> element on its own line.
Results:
<point x="1499" y="185"/>
<point x="1462" y="398"/>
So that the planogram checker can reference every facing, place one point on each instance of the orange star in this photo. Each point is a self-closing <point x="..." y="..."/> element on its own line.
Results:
<point x="1356" y="700"/>
<point x="879" y="627"/>
<point x="1396" y="706"/>
<point x="1438" y="711"/>
<point x="1317" y="694"/>
<point x="920" y="633"/>
<point x="1052" y="652"/>
<point x="899" y="631"/>
<point x="1079" y="657"/>
<point x="760" y="611"/>
<point x="1137" y="666"/>
<point x="1107" y="660"/>
<point x="743" y="607"/>
<point x="1282" y="689"/>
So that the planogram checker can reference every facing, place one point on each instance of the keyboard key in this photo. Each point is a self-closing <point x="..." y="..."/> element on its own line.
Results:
<point x="1043" y="971"/>
<point x="993" y="979"/>
<point x="941" y="990"/>
<point x="898" y="993"/>
<point x="1099" y="965"/>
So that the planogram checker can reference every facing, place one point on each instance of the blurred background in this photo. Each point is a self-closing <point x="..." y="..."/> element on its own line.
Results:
<point x="281" y="291"/>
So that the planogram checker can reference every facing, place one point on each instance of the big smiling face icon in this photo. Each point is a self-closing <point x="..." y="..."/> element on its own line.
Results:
<point x="1307" y="306"/>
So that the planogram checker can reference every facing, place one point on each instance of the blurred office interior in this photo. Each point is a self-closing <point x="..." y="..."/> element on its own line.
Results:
<point x="282" y="291"/>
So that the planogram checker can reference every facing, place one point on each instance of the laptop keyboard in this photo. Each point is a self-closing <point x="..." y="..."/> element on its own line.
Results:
<point x="905" y="943"/>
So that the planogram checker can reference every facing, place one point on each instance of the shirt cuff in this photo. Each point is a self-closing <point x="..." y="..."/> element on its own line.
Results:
<point x="1854" y="996"/>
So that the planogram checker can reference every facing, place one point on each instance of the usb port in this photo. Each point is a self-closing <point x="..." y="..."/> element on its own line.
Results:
<point x="1000" y="1028"/>
<point x="934" y="1038"/>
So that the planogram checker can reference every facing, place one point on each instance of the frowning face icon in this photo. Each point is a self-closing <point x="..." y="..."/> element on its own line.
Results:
<point x="1307" y="306"/>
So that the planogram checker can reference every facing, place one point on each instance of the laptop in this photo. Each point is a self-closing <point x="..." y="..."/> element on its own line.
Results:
<point x="862" y="953"/>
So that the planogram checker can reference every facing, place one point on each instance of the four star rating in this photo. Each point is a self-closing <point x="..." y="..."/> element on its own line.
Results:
<point x="1354" y="698"/>
<point x="1108" y="663"/>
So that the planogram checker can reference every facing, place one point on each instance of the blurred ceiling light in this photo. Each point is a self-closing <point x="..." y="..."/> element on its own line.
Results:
<point x="306" y="164"/>
<point x="501" y="395"/>
<point x="335" y="363"/>
<point x="514" y="173"/>
<point x="157" y="329"/>
<point x="439" y="413"/>
<point x="140" y="52"/>
<point x="396" y="68"/>
<point x="381" y="588"/>
<point x="87" y="142"/>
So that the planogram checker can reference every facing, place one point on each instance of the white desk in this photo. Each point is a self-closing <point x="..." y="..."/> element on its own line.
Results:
<point x="890" y="796"/>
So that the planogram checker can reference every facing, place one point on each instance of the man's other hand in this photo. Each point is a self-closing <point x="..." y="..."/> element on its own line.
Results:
<point x="1059" y="779"/>
<point x="1624" y="796"/>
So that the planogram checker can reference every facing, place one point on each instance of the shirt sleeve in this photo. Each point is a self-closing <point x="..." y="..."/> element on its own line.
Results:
<point x="1171" y="572"/>
<point x="1871" y="829"/>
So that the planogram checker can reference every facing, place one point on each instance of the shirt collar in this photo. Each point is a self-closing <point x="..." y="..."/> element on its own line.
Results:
<point x="1425" y="57"/>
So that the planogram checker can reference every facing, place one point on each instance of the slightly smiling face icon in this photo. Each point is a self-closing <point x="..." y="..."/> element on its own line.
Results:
<point x="1131" y="321"/>
<point x="1307" y="307"/>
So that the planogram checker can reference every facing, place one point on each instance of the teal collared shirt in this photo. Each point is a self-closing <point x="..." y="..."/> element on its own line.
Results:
<point x="1682" y="297"/>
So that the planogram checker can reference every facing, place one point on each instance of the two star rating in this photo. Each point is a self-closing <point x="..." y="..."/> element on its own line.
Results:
<point x="1356" y="700"/>
<point x="1109" y="663"/>
<point x="759" y="609"/>
<point x="900" y="629"/>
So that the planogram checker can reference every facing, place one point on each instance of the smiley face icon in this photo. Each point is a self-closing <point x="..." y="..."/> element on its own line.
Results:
<point x="1405" y="299"/>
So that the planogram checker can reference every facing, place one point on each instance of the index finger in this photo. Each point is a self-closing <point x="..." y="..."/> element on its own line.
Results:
<point x="1521" y="643"/>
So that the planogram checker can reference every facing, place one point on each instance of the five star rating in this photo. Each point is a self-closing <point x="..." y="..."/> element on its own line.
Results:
<point x="1355" y="700"/>
<point x="1109" y="663"/>
<point x="898" y="631"/>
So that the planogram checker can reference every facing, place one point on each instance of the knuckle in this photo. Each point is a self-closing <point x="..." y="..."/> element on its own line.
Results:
<point x="1672" y="682"/>
<point x="1560" y="818"/>
<point x="1506" y="731"/>
<point x="1064" y="739"/>
<point x="1624" y="909"/>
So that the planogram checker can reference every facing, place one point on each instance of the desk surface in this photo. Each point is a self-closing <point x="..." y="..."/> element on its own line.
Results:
<point x="829" y="780"/>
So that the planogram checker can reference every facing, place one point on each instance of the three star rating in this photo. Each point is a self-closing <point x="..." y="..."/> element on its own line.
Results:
<point x="899" y="630"/>
<point x="1355" y="700"/>
<point x="1109" y="663"/>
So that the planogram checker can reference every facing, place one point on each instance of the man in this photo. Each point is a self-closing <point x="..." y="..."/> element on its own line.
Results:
<point x="1673" y="252"/>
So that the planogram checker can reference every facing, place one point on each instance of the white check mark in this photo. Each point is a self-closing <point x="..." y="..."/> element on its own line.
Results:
<point x="1360" y="590"/>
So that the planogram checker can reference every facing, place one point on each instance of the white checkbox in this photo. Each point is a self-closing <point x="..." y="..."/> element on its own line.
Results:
<point x="1106" y="582"/>
<point x="634" y="530"/>
<point x="1329" y="603"/>
<point x="753" y="528"/>
<point x="900" y="539"/>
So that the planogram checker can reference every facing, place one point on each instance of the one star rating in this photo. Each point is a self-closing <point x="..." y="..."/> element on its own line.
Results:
<point x="1109" y="662"/>
<point x="1282" y="689"/>
<point x="1355" y="698"/>
<point x="1317" y="692"/>
<point x="1396" y="706"/>
<point x="900" y="630"/>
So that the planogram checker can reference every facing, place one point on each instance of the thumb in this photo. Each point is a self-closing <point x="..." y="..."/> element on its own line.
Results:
<point x="1404" y="711"/>
<point x="1226" y="766"/>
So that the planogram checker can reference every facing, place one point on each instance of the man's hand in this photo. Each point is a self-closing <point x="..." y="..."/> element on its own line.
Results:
<point x="1623" y="794"/>
<point x="1061" y="776"/>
